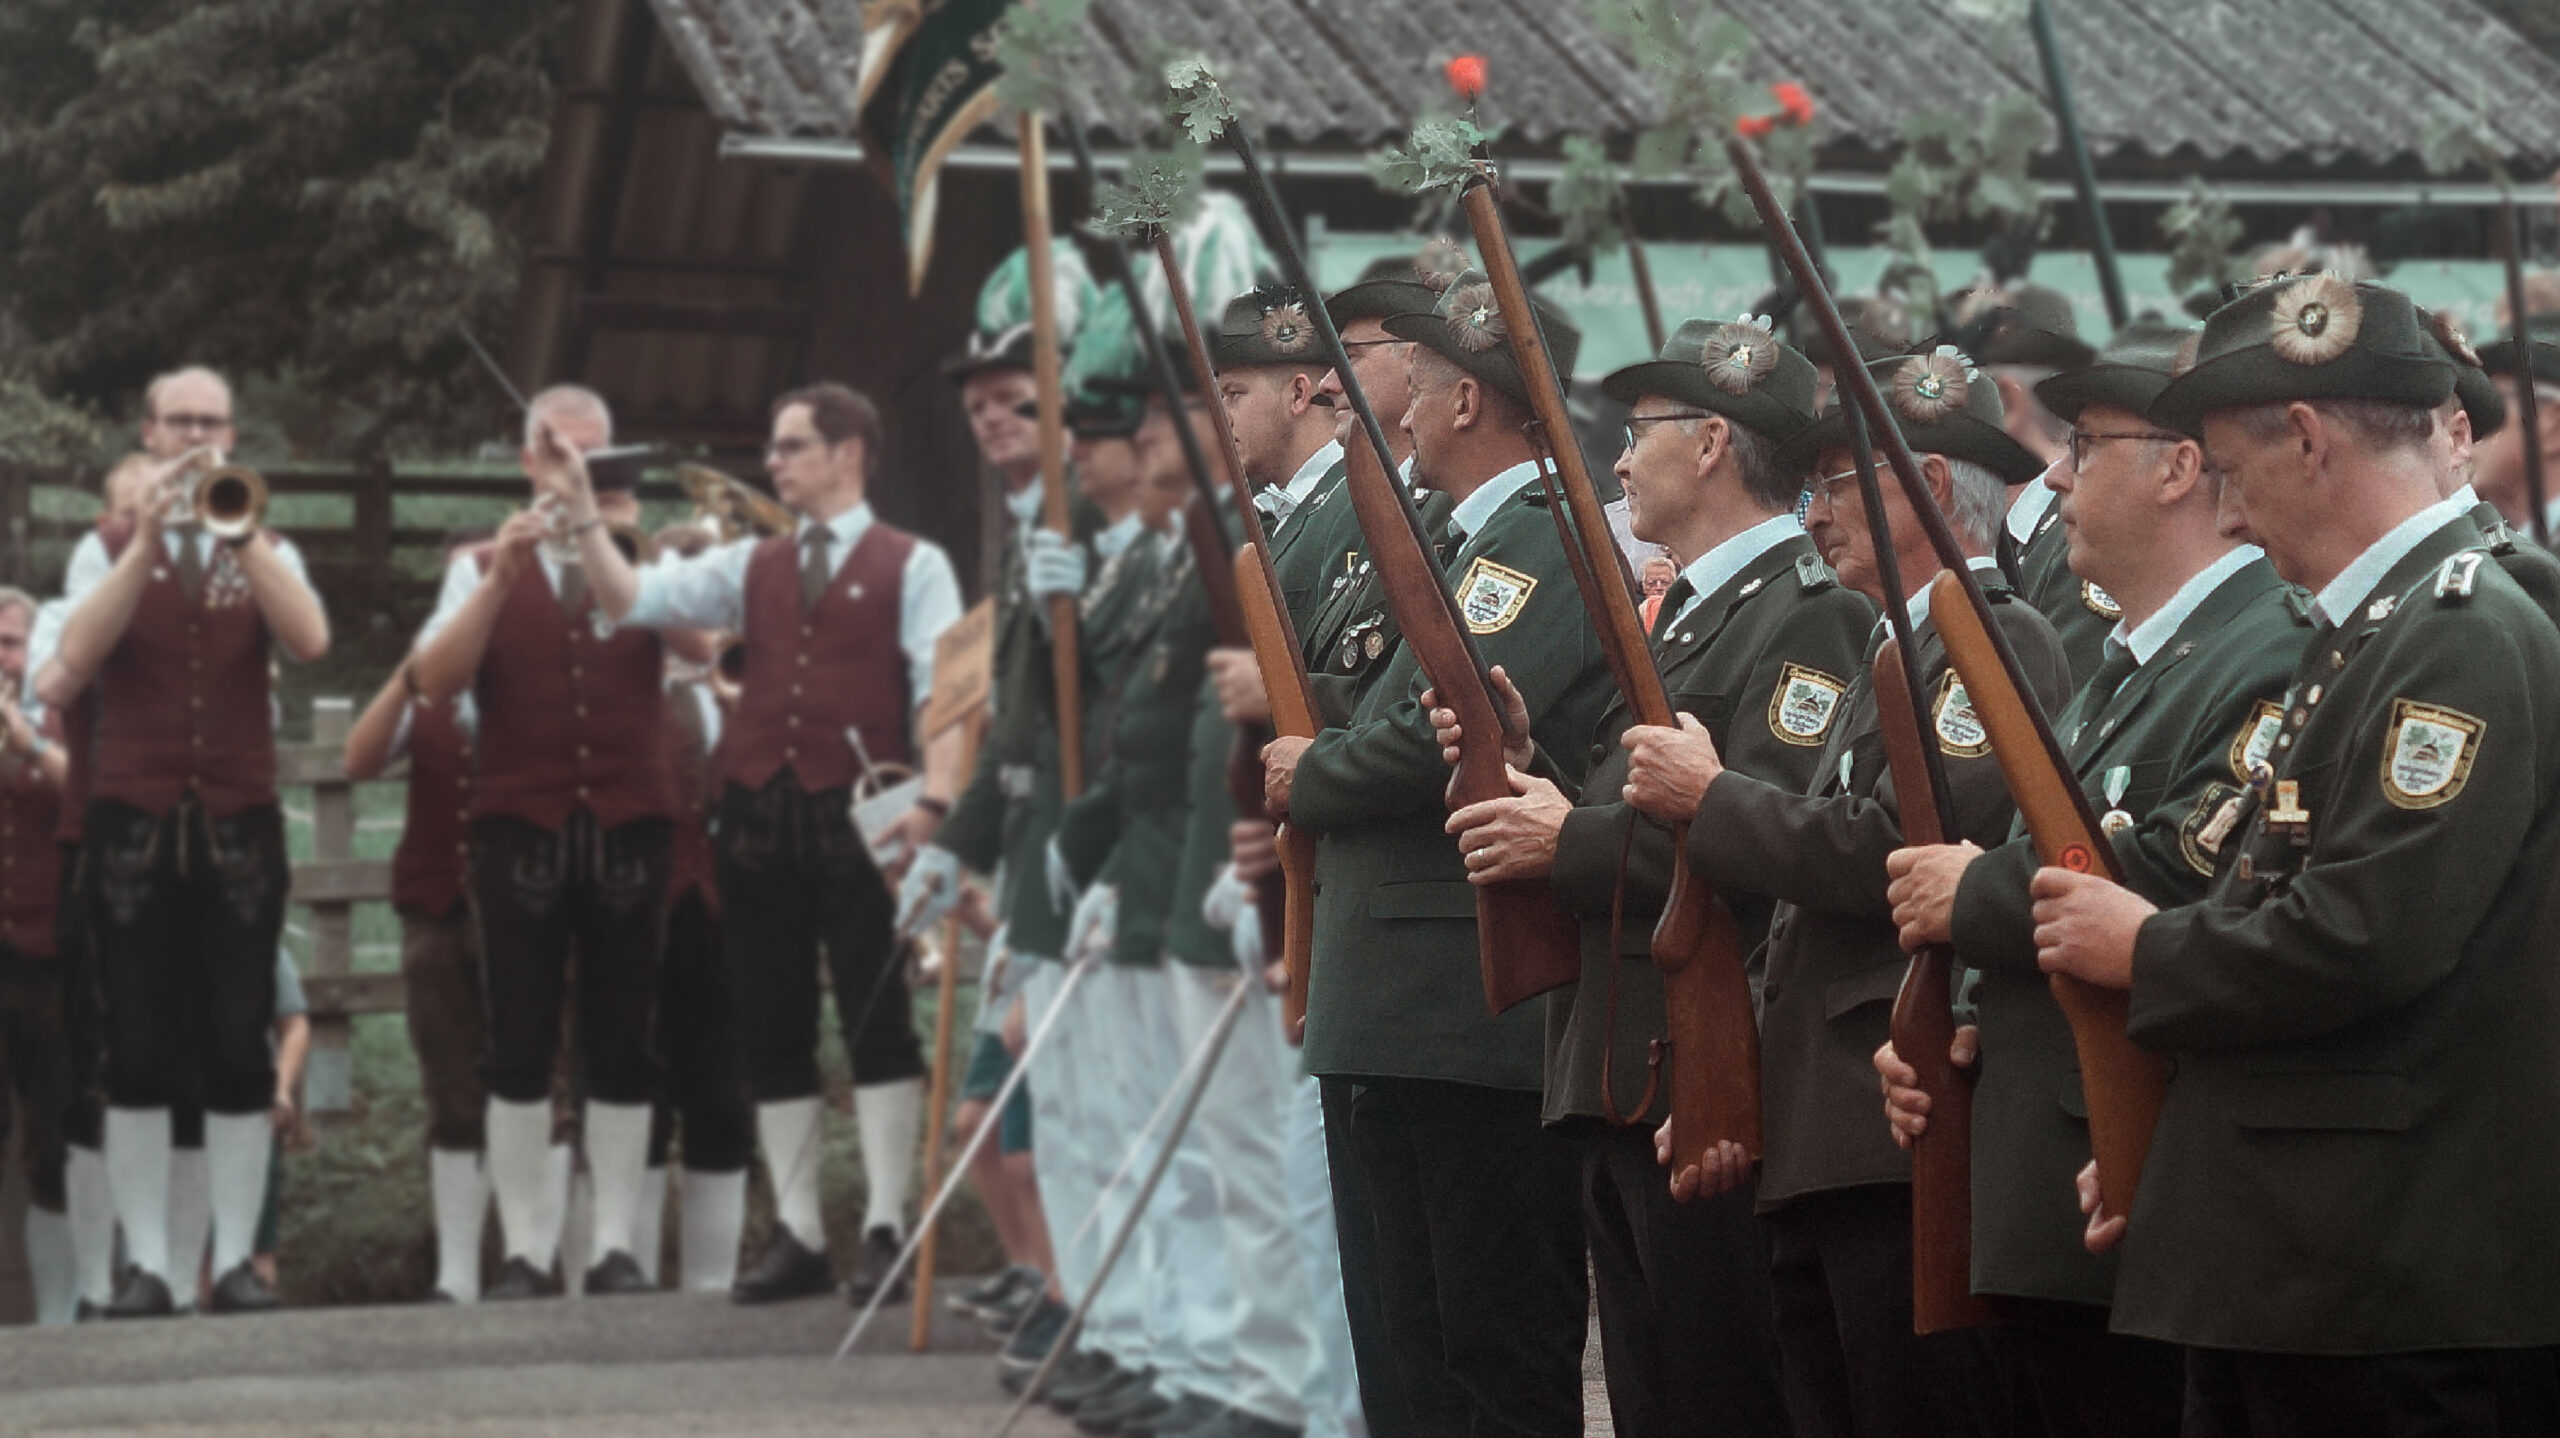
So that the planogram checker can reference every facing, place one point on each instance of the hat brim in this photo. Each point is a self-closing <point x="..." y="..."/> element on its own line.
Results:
<point x="2039" y="349"/>
<point x="2481" y="402"/>
<point x="2254" y="376"/>
<point x="2128" y="387"/>
<point x="1380" y="300"/>
<point x="1494" y="366"/>
<point x="2500" y="358"/>
<point x="1688" y="383"/>
<point x="1958" y="436"/>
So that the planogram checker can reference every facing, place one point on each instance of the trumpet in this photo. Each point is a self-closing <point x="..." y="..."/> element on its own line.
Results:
<point x="732" y="506"/>
<point x="729" y="673"/>
<point x="229" y="501"/>
<point x="634" y="542"/>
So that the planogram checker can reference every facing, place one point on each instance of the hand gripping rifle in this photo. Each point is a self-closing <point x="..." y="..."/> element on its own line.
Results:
<point x="1714" y="1038"/>
<point x="2122" y="1082"/>
<point x="1526" y="942"/>
<point x="1221" y="577"/>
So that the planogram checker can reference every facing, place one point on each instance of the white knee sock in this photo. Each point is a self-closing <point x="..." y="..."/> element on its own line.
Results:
<point x="190" y="1221"/>
<point x="236" y="1150"/>
<point x="889" y="1116"/>
<point x="519" y="1142"/>
<point x="460" y="1192"/>
<point x="50" y="1270"/>
<point x="649" y="1224"/>
<point x="137" y="1163"/>
<point x="617" y="1159"/>
<point x="559" y="1187"/>
<point x="789" y="1132"/>
<point x="715" y="1215"/>
<point x="92" y="1211"/>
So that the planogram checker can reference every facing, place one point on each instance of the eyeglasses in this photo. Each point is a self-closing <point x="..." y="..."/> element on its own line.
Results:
<point x="1371" y="344"/>
<point x="1636" y="419"/>
<point x="205" y="422"/>
<point x="2082" y="439"/>
<point x="1827" y="489"/>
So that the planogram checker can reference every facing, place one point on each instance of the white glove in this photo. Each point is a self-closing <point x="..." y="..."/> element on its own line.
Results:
<point x="1224" y="904"/>
<point x="930" y="889"/>
<point x="1052" y="565"/>
<point x="1062" y="884"/>
<point x="1096" y="921"/>
<point x="1247" y="939"/>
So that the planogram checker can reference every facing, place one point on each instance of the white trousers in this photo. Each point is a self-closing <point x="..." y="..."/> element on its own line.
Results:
<point x="1179" y="1249"/>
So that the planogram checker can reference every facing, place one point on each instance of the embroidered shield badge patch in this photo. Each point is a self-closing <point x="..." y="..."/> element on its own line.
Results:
<point x="2427" y="757"/>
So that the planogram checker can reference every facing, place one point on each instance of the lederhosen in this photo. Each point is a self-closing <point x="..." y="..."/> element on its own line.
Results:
<point x="572" y="809"/>
<point x="793" y="872"/>
<point x="37" y="1058"/>
<point x="75" y="960"/>
<point x="697" y="1015"/>
<point x="439" y="953"/>
<point x="184" y="845"/>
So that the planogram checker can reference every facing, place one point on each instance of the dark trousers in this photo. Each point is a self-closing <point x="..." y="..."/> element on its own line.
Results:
<point x="2085" y="1382"/>
<point x="1477" y="1239"/>
<point x="1852" y="1365"/>
<point x="186" y="910"/>
<point x="794" y="879"/>
<point x="440" y="968"/>
<point x="35" y="1067"/>
<point x="2454" y="1394"/>
<point x="83" y="1011"/>
<point x="1686" y="1332"/>
<point x="1355" y="1224"/>
<point x="537" y="895"/>
<point x="698" y="1041"/>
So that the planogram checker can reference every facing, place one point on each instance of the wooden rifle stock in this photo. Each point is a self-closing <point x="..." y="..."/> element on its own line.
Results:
<point x="2123" y="1082"/>
<point x="1924" y="1024"/>
<point x="1293" y="714"/>
<point x="1713" y="1035"/>
<point x="1067" y="669"/>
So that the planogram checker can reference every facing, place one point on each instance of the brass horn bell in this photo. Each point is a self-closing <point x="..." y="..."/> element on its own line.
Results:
<point x="230" y="501"/>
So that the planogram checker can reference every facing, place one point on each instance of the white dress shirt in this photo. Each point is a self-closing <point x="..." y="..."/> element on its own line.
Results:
<point x="1716" y="568"/>
<point x="2341" y="597"/>
<point x="2155" y="632"/>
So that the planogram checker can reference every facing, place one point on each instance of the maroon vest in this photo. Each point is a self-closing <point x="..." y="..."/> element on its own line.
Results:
<point x="182" y="702"/>
<point x="689" y="860"/>
<point x="30" y="858"/>
<point x="811" y="677"/>
<point x="426" y="870"/>
<point x="568" y="719"/>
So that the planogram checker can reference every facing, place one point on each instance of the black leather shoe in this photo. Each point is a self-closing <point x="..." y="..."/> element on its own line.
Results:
<point x="1030" y="1346"/>
<point x="519" y="1279"/>
<point x="1005" y="1292"/>
<point x="141" y="1295"/>
<point x="1116" y="1412"/>
<point x="88" y="1312"/>
<point x="872" y="1267"/>
<point x="243" y="1291"/>
<point x="787" y="1270"/>
<point x="618" y="1275"/>
<point x="1187" y="1413"/>
<point x="1233" y="1423"/>
<point x="1084" y="1377"/>
<point x="1001" y="1321"/>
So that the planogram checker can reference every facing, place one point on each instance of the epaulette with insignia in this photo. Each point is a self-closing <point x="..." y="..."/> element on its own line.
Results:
<point x="2299" y="600"/>
<point x="2460" y="572"/>
<point x="1812" y="575"/>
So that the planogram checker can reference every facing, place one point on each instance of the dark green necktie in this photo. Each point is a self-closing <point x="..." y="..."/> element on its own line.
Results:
<point x="1678" y="595"/>
<point x="2117" y="668"/>
<point x="190" y="562"/>
<point x="813" y="565"/>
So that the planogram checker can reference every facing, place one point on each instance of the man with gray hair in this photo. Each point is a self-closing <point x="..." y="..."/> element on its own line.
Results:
<point x="1834" y="1189"/>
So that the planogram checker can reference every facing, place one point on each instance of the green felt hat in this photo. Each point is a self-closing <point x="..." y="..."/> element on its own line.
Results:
<point x="1266" y="326"/>
<point x="1106" y="356"/>
<point x="1393" y="285"/>
<point x="2478" y="394"/>
<point x="1944" y="405"/>
<point x="2035" y="327"/>
<point x="2307" y="337"/>
<point x="1467" y="328"/>
<point x="2542" y="338"/>
<point x="2129" y="373"/>
<point x="1736" y="368"/>
<point x="1002" y="336"/>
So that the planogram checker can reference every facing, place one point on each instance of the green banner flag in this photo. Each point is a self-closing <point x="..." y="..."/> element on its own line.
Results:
<point x="928" y="79"/>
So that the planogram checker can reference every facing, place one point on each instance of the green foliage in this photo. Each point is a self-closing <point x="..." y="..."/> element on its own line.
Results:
<point x="1696" y="63"/>
<point x="2455" y="137"/>
<point x="1158" y="191"/>
<point x="327" y="187"/>
<point x="1195" y="101"/>
<point x="1028" y="42"/>
<point x="1439" y="156"/>
<point x="36" y="429"/>
<point x="1956" y="166"/>
<point x="2201" y="231"/>
<point x="1587" y="197"/>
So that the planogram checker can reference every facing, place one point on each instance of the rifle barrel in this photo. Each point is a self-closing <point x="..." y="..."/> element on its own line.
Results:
<point x="2084" y="174"/>
<point x="1066" y="671"/>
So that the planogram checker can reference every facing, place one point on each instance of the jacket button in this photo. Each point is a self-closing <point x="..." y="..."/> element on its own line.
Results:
<point x="795" y="691"/>
<point x="804" y="661"/>
<point x="582" y="791"/>
<point x="789" y="753"/>
<point x="1599" y="752"/>
<point x="582" y="751"/>
<point x="793" y="721"/>
<point x="805" y="631"/>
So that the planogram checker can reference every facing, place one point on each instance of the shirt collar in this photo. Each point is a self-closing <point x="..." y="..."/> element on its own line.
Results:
<point x="844" y="531"/>
<point x="2342" y="596"/>
<point x="1472" y="512"/>
<point x="2034" y="498"/>
<point x="1025" y="503"/>
<point x="1715" y="569"/>
<point x="1318" y="465"/>
<point x="1918" y="604"/>
<point x="2151" y="635"/>
<point x="1109" y="542"/>
<point x="2469" y="495"/>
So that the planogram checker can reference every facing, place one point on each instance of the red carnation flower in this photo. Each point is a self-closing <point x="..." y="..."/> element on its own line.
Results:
<point x="1466" y="76"/>
<point x="1793" y="99"/>
<point x="1756" y="127"/>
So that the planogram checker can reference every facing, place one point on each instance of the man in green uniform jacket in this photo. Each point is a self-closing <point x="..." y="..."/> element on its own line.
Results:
<point x="2163" y="739"/>
<point x="1759" y="641"/>
<point x="1477" y="1242"/>
<point x="2344" y="1214"/>
<point x="1834" y="1189"/>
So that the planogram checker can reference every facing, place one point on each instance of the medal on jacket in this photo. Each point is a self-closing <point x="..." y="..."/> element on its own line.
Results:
<point x="2286" y="815"/>
<point x="2116" y="820"/>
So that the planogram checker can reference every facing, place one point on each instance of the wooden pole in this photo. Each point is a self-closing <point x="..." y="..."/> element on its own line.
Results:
<point x="1045" y="366"/>
<point x="329" y="1078"/>
<point x="937" y="1106"/>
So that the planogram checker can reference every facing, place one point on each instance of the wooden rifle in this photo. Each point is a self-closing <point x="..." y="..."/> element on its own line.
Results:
<point x="2123" y="1083"/>
<point x="1923" y="1027"/>
<point x="1713" y="1035"/>
<point x="2528" y="404"/>
<point x="2075" y="146"/>
<point x="1526" y="943"/>
<point x="1066" y="669"/>
<point x="1220" y="577"/>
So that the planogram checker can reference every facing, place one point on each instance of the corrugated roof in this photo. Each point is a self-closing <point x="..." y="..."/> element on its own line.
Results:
<point x="2260" y="80"/>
